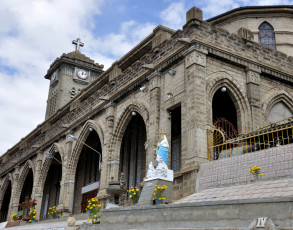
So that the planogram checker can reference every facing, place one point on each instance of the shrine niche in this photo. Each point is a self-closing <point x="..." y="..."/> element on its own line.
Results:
<point x="133" y="153"/>
<point x="266" y="35"/>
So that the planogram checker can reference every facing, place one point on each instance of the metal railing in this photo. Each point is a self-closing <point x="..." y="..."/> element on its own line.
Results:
<point x="219" y="146"/>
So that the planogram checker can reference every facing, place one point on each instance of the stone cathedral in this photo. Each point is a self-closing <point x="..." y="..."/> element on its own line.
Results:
<point x="236" y="68"/>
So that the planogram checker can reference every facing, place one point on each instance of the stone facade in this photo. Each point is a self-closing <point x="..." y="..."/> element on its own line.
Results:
<point x="167" y="70"/>
<point x="279" y="17"/>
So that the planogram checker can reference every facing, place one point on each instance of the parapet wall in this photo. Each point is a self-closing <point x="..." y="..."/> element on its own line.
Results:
<point x="275" y="163"/>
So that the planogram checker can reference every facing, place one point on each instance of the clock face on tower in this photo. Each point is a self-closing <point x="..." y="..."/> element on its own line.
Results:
<point x="82" y="74"/>
<point x="54" y="76"/>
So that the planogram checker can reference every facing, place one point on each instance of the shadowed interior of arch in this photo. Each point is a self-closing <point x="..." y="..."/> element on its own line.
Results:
<point x="27" y="187"/>
<point x="133" y="153"/>
<point x="87" y="174"/>
<point x="51" y="190"/>
<point x="223" y="107"/>
<point x="5" y="203"/>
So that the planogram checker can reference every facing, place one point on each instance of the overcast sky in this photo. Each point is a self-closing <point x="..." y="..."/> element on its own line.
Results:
<point x="34" y="32"/>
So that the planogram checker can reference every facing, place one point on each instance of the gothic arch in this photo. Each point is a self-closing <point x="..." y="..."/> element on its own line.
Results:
<point x="55" y="148"/>
<point x="236" y="92"/>
<point x="78" y="145"/>
<point x="8" y="178"/>
<point x="23" y="174"/>
<point x="274" y="96"/>
<point x="124" y="120"/>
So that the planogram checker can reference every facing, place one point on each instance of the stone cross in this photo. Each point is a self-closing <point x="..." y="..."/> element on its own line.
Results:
<point x="77" y="44"/>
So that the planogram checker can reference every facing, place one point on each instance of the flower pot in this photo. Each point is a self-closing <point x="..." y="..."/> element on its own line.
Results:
<point x="134" y="202"/>
<point x="157" y="201"/>
<point x="34" y="221"/>
<point x="54" y="217"/>
<point x="88" y="211"/>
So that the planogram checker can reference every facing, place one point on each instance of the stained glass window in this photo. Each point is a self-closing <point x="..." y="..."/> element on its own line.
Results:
<point x="266" y="35"/>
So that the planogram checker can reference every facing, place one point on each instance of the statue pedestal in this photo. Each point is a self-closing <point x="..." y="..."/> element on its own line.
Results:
<point x="146" y="196"/>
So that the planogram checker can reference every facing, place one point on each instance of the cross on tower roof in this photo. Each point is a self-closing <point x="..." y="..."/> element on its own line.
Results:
<point x="77" y="44"/>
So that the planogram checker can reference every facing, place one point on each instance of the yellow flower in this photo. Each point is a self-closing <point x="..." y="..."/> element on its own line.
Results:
<point x="48" y="213"/>
<point x="131" y="187"/>
<point x="134" y="193"/>
<point x="137" y="189"/>
<point x="160" y="198"/>
<point x="34" y="217"/>
<point x="163" y="198"/>
<point x="30" y="221"/>
<point x="261" y="174"/>
<point x="130" y="196"/>
<point x="153" y="198"/>
<point x="154" y="193"/>
<point x="95" y="216"/>
<point x="155" y="189"/>
<point x="99" y="205"/>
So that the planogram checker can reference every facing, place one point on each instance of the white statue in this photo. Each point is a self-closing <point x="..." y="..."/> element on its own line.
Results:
<point x="162" y="171"/>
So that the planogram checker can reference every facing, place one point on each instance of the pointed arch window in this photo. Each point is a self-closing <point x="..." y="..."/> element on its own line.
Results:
<point x="266" y="35"/>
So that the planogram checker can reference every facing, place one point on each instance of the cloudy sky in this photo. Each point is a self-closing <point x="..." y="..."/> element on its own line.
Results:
<point x="34" y="32"/>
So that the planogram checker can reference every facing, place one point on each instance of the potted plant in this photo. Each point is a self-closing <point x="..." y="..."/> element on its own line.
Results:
<point x="133" y="194"/>
<point x="94" y="211"/>
<point x="26" y="205"/>
<point x="53" y="212"/>
<point x="14" y="217"/>
<point x="32" y="215"/>
<point x="158" y="193"/>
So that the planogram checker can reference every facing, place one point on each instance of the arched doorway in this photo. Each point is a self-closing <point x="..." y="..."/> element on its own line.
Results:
<point x="87" y="176"/>
<point x="27" y="187"/>
<point x="133" y="153"/>
<point x="5" y="203"/>
<point x="51" y="190"/>
<point x="224" y="110"/>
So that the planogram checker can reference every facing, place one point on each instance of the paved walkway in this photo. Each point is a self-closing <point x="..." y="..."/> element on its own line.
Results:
<point x="61" y="225"/>
<point x="259" y="189"/>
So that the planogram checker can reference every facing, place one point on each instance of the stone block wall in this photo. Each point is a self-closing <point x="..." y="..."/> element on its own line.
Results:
<point x="274" y="163"/>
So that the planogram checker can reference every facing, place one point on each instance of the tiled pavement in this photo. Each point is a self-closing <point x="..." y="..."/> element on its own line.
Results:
<point x="258" y="189"/>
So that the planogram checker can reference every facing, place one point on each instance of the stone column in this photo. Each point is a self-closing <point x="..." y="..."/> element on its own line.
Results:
<point x="154" y="118"/>
<point x="194" y="107"/>
<point x="64" y="205"/>
<point x="110" y="165"/>
<point x="253" y="93"/>
<point x="14" y="200"/>
<point x="37" y="192"/>
<point x="67" y="182"/>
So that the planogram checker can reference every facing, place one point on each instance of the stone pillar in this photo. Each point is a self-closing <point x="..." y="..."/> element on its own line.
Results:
<point x="14" y="200"/>
<point x="253" y="93"/>
<point x="110" y="165"/>
<point x="154" y="118"/>
<point x="37" y="192"/>
<point x="194" y="107"/>
<point x="64" y="205"/>
<point x="67" y="183"/>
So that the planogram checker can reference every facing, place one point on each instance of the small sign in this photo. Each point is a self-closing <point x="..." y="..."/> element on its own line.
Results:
<point x="261" y="222"/>
<point x="90" y="187"/>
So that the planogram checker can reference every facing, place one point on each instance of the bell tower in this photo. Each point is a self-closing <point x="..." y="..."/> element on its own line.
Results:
<point x="68" y="74"/>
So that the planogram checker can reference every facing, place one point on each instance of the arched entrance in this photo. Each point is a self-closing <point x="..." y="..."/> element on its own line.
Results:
<point x="87" y="176"/>
<point x="5" y="203"/>
<point x="133" y="153"/>
<point x="27" y="187"/>
<point x="224" y="110"/>
<point x="51" y="190"/>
